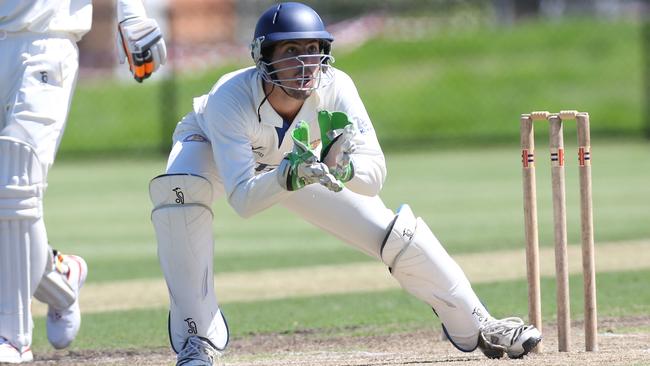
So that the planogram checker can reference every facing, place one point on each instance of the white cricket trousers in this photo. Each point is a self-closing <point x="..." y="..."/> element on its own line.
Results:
<point x="358" y="220"/>
<point x="38" y="73"/>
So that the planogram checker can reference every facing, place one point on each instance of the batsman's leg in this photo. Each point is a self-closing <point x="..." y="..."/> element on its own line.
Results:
<point x="37" y="80"/>
<point x="182" y="219"/>
<point x="23" y="245"/>
<point x="59" y="288"/>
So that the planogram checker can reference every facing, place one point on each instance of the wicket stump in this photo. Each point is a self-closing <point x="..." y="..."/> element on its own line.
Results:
<point x="556" y="143"/>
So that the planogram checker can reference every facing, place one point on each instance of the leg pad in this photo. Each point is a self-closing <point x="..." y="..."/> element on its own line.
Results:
<point x="23" y="240"/>
<point x="182" y="219"/>
<point x="421" y="265"/>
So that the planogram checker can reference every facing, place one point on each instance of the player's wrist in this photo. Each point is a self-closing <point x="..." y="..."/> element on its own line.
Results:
<point x="127" y="9"/>
<point x="345" y="173"/>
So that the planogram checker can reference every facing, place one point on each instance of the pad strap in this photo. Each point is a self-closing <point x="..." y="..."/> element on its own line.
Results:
<point x="172" y="190"/>
<point x="399" y="236"/>
<point x="21" y="180"/>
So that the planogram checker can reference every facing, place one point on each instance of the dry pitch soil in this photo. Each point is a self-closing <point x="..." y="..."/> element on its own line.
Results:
<point x="622" y="341"/>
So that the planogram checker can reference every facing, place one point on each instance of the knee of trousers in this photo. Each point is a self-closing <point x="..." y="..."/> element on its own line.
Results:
<point x="21" y="181"/>
<point x="182" y="219"/>
<point x="417" y="260"/>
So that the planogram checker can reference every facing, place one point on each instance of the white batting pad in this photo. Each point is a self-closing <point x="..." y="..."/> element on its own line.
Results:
<point x="183" y="223"/>
<point x="23" y="240"/>
<point x="423" y="268"/>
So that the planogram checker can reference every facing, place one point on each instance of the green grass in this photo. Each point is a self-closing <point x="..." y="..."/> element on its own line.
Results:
<point x="471" y="86"/>
<point x="112" y="117"/>
<point x="470" y="198"/>
<point x="619" y="294"/>
<point x="466" y="86"/>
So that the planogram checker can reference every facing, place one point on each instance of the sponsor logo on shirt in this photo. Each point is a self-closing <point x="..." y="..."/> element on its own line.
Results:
<point x="263" y="168"/>
<point x="196" y="138"/>
<point x="257" y="151"/>
<point x="363" y="126"/>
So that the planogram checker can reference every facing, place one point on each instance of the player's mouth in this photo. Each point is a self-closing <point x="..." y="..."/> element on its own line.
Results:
<point x="308" y="82"/>
<point x="305" y="81"/>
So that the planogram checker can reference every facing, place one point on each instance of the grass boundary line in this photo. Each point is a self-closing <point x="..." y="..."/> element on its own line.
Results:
<point x="348" y="278"/>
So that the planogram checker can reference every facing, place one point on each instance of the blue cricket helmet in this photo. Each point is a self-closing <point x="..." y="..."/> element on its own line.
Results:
<point x="287" y="21"/>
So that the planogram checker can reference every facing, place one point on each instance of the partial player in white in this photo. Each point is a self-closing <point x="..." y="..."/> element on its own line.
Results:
<point x="293" y="131"/>
<point x="39" y="59"/>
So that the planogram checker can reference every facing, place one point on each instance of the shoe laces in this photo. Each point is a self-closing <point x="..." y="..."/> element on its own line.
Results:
<point x="198" y="349"/>
<point x="504" y="327"/>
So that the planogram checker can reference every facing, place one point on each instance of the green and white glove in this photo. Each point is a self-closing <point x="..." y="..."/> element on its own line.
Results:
<point x="337" y="135"/>
<point x="301" y="167"/>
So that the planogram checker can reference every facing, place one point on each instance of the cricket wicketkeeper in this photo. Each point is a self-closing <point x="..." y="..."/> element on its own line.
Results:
<point x="292" y="131"/>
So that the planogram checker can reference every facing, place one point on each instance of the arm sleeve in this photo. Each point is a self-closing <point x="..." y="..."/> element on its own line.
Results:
<point x="368" y="159"/>
<point x="225" y="127"/>
<point x="130" y="9"/>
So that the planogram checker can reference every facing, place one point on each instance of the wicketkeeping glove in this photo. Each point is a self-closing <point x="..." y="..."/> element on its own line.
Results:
<point x="140" y="42"/>
<point x="301" y="166"/>
<point x="337" y="136"/>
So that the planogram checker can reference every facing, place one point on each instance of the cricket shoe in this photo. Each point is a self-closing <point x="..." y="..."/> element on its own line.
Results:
<point x="508" y="335"/>
<point x="198" y="351"/>
<point x="11" y="354"/>
<point x="63" y="324"/>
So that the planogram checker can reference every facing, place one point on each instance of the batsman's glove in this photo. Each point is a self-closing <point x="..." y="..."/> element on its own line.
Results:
<point x="301" y="167"/>
<point x="140" y="42"/>
<point x="337" y="136"/>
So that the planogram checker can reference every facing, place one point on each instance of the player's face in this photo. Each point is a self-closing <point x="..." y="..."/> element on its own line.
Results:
<point x="297" y="69"/>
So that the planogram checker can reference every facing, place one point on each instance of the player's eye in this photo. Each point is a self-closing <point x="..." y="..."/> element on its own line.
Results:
<point x="313" y="49"/>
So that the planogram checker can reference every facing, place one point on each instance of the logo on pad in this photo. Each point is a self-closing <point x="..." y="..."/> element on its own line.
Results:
<point x="180" y="197"/>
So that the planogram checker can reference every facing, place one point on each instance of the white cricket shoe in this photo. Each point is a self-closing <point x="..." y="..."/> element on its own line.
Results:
<point x="508" y="335"/>
<point x="198" y="351"/>
<point x="63" y="324"/>
<point x="11" y="354"/>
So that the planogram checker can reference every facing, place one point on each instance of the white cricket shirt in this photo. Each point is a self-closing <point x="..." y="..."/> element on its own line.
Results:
<point x="247" y="148"/>
<point x="72" y="17"/>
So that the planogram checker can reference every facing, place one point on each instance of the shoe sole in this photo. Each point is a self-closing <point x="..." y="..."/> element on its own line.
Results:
<point x="528" y="345"/>
<point x="24" y="358"/>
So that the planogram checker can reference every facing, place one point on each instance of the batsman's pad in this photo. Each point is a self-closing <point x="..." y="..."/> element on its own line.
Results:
<point x="417" y="260"/>
<point x="53" y="289"/>
<point x="182" y="219"/>
<point x="23" y="240"/>
<point x="21" y="184"/>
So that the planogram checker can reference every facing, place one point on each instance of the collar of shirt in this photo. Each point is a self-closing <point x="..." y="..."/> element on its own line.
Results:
<point x="268" y="115"/>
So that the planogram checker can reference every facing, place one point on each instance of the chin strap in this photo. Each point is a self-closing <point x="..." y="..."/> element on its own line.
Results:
<point x="266" y="96"/>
